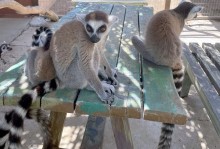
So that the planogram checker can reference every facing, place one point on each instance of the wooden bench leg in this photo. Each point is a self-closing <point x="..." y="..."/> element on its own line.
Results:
<point x="122" y="133"/>
<point x="57" y="121"/>
<point x="186" y="85"/>
<point x="93" y="135"/>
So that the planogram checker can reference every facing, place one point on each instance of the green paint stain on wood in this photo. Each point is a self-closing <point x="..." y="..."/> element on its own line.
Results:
<point x="92" y="108"/>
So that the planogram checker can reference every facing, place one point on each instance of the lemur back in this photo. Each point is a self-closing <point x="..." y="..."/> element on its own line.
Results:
<point x="162" y="46"/>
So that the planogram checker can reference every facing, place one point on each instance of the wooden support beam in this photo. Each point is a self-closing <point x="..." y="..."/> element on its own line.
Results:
<point x="122" y="133"/>
<point x="167" y="4"/>
<point x="94" y="133"/>
<point x="57" y="121"/>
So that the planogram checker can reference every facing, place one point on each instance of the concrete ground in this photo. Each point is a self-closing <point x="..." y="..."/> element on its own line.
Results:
<point x="198" y="133"/>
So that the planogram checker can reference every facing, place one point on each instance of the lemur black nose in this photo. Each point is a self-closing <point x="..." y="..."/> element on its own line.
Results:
<point x="94" y="39"/>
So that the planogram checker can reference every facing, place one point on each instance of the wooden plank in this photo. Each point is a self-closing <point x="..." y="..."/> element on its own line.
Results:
<point x="13" y="84"/>
<point x="205" y="89"/>
<point x="162" y="102"/>
<point x="57" y="121"/>
<point x="186" y="85"/>
<point x="212" y="72"/>
<point x="167" y="4"/>
<point x="122" y="133"/>
<point x="10" y="75"/>
<point x="60" y="101"/>
<point x="129" y="68"/>
<point x="17" y="89"/>
<point x="212" y="53"/>
<point x="217" y="46"/>
<point x="94" y="133"/>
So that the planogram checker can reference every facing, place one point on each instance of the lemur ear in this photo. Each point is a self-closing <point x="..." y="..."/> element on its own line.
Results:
<point x="112" y="19"/>
<point x="81" y="17"/>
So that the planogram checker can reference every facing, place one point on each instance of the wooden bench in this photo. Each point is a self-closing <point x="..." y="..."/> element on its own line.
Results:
<point x="146" y="91"/>
<point x="203" y="71"/>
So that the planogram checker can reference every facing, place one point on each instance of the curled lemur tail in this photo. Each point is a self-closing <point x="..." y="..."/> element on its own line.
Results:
<point x="11" y="128"/>
<point x="42" y="37"/>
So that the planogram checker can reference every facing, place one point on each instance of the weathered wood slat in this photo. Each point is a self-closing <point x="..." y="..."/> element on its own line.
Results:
<point x="122" y="133"/>
<point x="186" y="85"/>
<point x="217" y="46"/>
<point x="13" y="84"/>
<point x="205" y="89"/>
<point x="129" y="66"/>
<point x="10" y="76"/>
<point x="93" y="135"/>
<point x="161" y="101"/>
<point x="212" y="72"/>
<point x="57" y="121"/>
<point x="213" y="53"/>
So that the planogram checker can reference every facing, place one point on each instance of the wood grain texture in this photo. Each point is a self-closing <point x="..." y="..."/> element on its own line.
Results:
<point x="129" y="68"/>
<point x="217" y="46"/>
<point x="210" y="69"/>
<point x="205" y="89"/>
<point x="10" y="75"/>
<point x="122" y="133"/>
<point x="57" y="121"/>
<point x="161" y="101"/>
<point x="186" y="85"/>
<point x="212" y="53"/>
<point x="94" y="133"/>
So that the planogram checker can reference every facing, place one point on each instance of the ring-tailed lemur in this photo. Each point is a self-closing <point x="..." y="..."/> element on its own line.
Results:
<point x="11" y="128"/>
<point x="75" y="56"/>
<point x="163" y="47"/>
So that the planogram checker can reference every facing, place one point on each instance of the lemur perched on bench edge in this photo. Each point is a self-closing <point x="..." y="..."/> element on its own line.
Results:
<point x="162" y="46"/>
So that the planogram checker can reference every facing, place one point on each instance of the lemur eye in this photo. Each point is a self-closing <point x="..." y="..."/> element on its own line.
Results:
<point x="89" y="28"/>
<point x="102" y="28"/>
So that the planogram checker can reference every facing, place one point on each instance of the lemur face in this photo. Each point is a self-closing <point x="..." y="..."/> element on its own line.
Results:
<point x="97" y="24"/>
<point x="96" y="30"/>
<point x="188" y="10"/>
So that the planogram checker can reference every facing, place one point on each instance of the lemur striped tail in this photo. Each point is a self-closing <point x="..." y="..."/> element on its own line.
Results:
<point x="167" y="129"/>
<point x="178" y="76"/>
<point x="42" y="37"/>
<point x="166" y="136"/>
<point x="11" y="128"/>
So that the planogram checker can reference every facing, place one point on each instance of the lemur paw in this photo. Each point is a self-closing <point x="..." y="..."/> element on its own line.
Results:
<point x="108" y="98"/>
<point x="108" y="88"/>
<point x="113" y="81"/>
